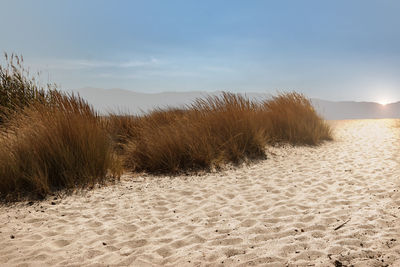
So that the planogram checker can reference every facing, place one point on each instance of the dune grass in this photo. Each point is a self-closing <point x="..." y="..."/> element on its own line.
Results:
<point x="48" y="140"/>
<point x="207" y="134"/>
<point x="123" y="128"/>
<point x="18" y="88"/>
<point x="293" y="119"/>
<point x="51" y="140"/>
<point x="47" y="148"/>
<point x="214" y="131"/>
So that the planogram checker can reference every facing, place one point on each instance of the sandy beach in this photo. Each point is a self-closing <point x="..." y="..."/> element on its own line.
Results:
<point x="338" y="203"/>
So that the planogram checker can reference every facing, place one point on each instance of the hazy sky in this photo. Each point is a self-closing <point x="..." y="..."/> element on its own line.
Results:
<point x="336" y="50"/>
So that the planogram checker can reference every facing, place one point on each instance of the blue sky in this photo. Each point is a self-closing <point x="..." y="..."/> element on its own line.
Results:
<point x="335" y="50"/>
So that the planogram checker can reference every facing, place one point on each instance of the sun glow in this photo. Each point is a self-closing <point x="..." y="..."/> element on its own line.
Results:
<point x="383" y="102"/>
<point x="384" y="99"/>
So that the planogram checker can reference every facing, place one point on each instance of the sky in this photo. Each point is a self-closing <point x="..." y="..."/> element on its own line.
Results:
<point x="334" y="50"/>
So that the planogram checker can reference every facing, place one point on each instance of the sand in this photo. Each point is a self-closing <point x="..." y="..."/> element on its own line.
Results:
<point x="303" y="206"/>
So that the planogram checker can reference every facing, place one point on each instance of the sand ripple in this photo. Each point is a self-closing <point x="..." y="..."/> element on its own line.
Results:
<point x="279" y="212"/>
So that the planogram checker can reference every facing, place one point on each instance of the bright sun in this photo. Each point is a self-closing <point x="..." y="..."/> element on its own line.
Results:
<point x="383" y="102"/>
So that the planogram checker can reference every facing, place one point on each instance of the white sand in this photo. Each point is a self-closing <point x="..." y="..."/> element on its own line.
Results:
<point x="282" y="211"/>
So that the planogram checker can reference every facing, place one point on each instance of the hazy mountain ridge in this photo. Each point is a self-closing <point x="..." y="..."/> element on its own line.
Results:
<point x="118" y="100"/>
<point x="338" y="110"/>
<point x="124" y="101"/>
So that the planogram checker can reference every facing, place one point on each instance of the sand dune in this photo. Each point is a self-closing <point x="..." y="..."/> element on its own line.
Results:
<point x="303" y="206"/>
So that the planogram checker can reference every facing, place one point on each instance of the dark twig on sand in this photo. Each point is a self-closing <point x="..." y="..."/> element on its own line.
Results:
<point x="340" y="226"/>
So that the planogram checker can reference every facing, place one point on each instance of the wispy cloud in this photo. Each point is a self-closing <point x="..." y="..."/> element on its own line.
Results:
<point x="79" y="64"/>
<point x="218" y="69"/>
<point x="151" y="74"/>
<point x="172" y="70"/>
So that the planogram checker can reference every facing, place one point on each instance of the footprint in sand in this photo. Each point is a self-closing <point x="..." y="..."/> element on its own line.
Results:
<point x="61" y="243"/>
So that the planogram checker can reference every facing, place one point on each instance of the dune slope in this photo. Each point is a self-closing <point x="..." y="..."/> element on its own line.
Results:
<point x="336" y="203"/>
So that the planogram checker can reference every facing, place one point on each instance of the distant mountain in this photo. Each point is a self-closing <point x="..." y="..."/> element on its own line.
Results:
<point x="356" y="110"/>
<point x="124" y="101"/>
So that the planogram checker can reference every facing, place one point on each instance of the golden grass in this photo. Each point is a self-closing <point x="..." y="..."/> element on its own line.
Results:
<point x="123" y="128"/>
<point x="51" y="141"/>
<point x="293" y="119"/>
<point x="200" y="137"/>
<point x="18" y="88"/>
<point x="214" y="131"/>
<point x="50" y="147"/>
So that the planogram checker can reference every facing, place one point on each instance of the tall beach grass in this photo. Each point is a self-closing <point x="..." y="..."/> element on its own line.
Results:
<point x="293" y="119"/>
<point x="46" y="148"/>
<point x="216" y="130"/>
<point x="207" y="134"/>
<point x="49" y="141"/>
<point x="18" y="88"/>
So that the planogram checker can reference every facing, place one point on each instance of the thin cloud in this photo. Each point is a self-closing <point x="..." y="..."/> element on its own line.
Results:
<point x="80" y="64"/>
<point x="151" y="74"/>
<point x="131" y="64"/>
<point x="218" y="69"/>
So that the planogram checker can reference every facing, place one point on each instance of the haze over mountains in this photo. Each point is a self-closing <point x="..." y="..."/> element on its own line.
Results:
<point x="124" y="101"/>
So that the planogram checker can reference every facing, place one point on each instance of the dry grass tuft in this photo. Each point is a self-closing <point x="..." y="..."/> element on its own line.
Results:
<point x="124" y="128"/>
<point x="293" y="119"/>
<point x="214" y="131"/>
<point x="209" y="133"/>
<point x="18" y="88"/>
<point x="49" y="141"/>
